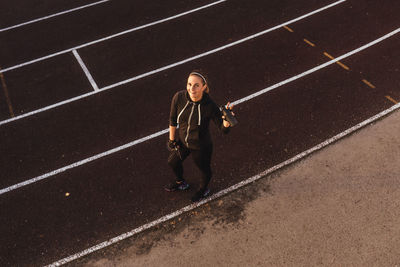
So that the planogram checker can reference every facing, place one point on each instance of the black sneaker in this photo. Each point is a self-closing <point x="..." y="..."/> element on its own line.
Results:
<point x="200" y="194"/>
<point x="176" y="186"/>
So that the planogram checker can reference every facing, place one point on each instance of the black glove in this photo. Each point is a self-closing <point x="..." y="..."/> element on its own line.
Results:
<point x="172" y="145"/>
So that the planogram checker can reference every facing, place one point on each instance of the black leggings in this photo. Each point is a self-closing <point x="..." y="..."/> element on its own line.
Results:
<point x="201" y="157"/>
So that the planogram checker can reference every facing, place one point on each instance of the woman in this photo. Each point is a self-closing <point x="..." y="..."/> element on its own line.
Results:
<point x="192" y="109"/>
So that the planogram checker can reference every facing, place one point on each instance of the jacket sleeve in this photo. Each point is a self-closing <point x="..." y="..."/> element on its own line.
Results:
<point x="217" y="118"/>
<point x="173" y="115"/>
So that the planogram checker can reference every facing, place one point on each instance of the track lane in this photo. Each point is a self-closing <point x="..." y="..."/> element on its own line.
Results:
<point x="50" y="82"/>
<point x="385" y="79"/>
<point x="165" y="44"/>
<point x="113" y="194"/>
<point x="46" y="37"/>
<point x="50" y="16"/>
<point x="68" y="167"/>
<point x="373" y="19"/>
<point x="68" y="143"/>
<point x="18" y="11"/>
<point x="339" y="17"/>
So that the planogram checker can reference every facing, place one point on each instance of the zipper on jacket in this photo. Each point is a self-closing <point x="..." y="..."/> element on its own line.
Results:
<point x="187" y="132"/>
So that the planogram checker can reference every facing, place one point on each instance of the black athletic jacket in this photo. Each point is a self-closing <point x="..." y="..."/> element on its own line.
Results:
<point x="194" y="119"/>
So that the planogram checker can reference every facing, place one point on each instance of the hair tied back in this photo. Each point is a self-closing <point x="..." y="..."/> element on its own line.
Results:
<point x="201" y="76"/>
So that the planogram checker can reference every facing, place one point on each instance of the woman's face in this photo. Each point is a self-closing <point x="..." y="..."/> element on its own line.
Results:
<point x="195" y="87"/>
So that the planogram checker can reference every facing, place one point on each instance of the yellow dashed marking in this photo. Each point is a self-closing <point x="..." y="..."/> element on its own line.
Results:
<point x="3" y="83"/>
<point x="326" y="54"/>
<point x="391" y="99"/>
<point x="337" y="62"/>
<point x="368" y="83"/>
<point x="342" y="65"/>
<point x="287" y="28"/>
<point x="308" y="42"/>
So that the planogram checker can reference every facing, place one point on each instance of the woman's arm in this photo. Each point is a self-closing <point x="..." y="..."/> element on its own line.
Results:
<point x="173" y="117"/>
<point x="172" y="132"/>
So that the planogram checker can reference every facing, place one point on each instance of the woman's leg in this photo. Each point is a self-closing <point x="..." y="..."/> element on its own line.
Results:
<point x="202" y="159"/>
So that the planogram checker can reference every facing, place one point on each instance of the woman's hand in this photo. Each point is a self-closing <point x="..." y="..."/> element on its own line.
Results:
<point x="172" y="145"/>
<point x="229" y="107"/>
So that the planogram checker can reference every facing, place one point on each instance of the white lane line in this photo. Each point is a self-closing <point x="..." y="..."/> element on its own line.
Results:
<point x="221" y="47"/>
<point x="85" y="70"/>
<point x="317" y="68"/>
<point x="111" y="36"/>
<point x="225" y="191"/>
<point x="82" y="162"/>
<point x="263" y="91"/>
<point x="47" y="108"/>
<point x="158" y="70"/>
<point x="51" y="16"/>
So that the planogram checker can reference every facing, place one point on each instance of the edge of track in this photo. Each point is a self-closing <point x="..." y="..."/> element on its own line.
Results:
<point x="227" y="190"/>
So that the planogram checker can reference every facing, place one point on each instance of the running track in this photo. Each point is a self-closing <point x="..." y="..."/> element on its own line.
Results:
<point x="55" y="116"/>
